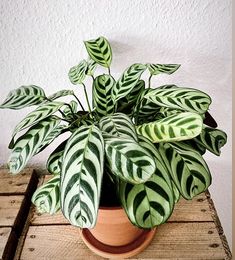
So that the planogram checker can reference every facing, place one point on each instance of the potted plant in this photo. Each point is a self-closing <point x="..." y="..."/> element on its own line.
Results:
<point x="130" y="157"/>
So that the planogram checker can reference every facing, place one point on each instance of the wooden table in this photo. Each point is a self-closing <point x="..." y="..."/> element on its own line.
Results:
<point x="192" y="232"/>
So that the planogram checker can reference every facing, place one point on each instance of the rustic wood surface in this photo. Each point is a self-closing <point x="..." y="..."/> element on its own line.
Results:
<point x="192" y="232"/>
<point x="15" y="193"/>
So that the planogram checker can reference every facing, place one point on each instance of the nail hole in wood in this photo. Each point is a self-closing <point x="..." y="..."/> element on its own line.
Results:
<point x="32" y="236"/>
<point x="203" y="210"/>
<point x="31" y="249"/>
<point x="200" y="200"/>
<point x="210" y="232"/>
<point x="214" y="245"/>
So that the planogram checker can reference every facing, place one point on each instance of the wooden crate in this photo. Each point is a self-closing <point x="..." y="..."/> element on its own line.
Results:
<point x="15" y="195"/>
<point x="192" y="232"/>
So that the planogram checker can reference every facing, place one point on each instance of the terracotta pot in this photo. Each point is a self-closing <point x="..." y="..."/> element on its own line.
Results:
<point x="115" y="236"/>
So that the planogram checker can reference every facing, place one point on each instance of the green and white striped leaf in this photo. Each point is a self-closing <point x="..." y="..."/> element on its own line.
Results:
<point x="37" y="115"/>
<point x="67" y="111"/>
<point x="128" y="160"/>
<point x="47" y="197"/>
<point x="24" y="96"/>
<point x="81" y="176"/>
<point x="177" y="127"/>
<point x="212" y="139"/>
<point x="155" y="69"/>
<point x="151" y="203"/>
<point x="176" y="192"/>
<point x="186" y="99"/>
<point x="27" y="145"/>
<point x="100" y="51"/>
<point x="145" y="110"/>
<point x="168" y="86"/>
<point x="188" y="169"/>
<point x="128" y="81"/>
<point x="102" y="100"/>
<point x="91" y="66"/>
<point x="77" y="73"/>
<point x="118" y="124"/>
<point x="60" y="93"/>
<point x="54" y="162"/>
<point x="126" y="104"/>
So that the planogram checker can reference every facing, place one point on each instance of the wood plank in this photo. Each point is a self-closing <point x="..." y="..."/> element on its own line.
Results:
<point x="9" y="208"/>
<point x="172" y="241"/>
<point x="187" y="211"/>
<point x="4" y="236"/>
<point x="15" y="184"/>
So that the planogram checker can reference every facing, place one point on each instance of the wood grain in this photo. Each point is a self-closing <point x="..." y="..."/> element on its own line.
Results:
<point x="172" y="241"/>
<point x="14" y="184"/>
<point x="9" y="208"/>
<point x="4" y="235"/>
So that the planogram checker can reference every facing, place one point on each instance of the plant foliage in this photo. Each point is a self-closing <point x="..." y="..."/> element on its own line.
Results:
<point x="148" y="141"/>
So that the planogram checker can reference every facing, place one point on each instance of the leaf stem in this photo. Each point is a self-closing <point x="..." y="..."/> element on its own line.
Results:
<point x="79" y="102"/>
<point x="149" y="85"/>
<point x="109" y="71"/>
<point x="62" y="113"/>
<point x="87" y="100"/>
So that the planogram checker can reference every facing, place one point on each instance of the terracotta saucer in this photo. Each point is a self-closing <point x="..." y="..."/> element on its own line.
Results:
<point x="117" y="251"/>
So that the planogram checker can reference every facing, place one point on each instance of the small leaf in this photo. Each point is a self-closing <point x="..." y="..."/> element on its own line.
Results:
<point x="176" y="127"/>
<point x="23" y="97"/>
<point x="128" y="81"/>
<point x="100" y="51"/>
<point x="77" y="73"/>
<point x="91" y="66"/>
<point x="47" y="197"/>
<point x="155" y="69"/>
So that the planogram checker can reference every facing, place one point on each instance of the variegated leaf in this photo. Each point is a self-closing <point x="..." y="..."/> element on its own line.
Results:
<point x="100" y="51"/>
<point x="151" y="203"/>
<point x="128" y="81"/>
<point x="37" y="115"/>
<point x="155" y="69"/>
<point x="47" y="197"/>
<point x="54" y="162"/>
<point x="102" y="101"/>
<point x="118" y="124"/>
<point x="186" y="99"/>
<point x="188" y="169"/>
<point x="77" y="73"/>
<point x="212" y="139"/>
<point x="177" y="127"/>
<point x="23" y="97"/>
<point x="27" y="145"/>
<point x="91" y="66"/>
<point x="128" y="160"/>
<point x="176" y="192"/>
<point x="81" y="176"/>
<point x="60" y="93"/>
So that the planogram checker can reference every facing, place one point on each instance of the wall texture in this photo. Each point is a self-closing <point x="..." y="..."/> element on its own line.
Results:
<point x="40" y="40"/>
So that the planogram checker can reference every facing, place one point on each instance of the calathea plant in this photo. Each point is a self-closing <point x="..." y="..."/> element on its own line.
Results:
<point x="147" y="143"/>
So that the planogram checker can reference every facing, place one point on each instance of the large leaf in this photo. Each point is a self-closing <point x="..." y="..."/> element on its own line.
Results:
<point x="37" y="115"/>
<point x="176" y="127"/>
<point x="100" y="51"/>
<point x="81" y="176"/>
<point x="155" y="69"/>
<point x="126" y="104"/>
<point x="102" y="88"/>
<point x="127" y="81"/>
<point x="151" y="203"/>
<point x="23" y="97"/>
<point x="77" y="73"/>
<point x="118" y="124"/>
<point x="54" y="162"/>
<point x="212" y="139"/>
<point x="27" y="145"/>
<point x="60" y="93"/>
<point x="47" y="197"/>
<point x="188" y="169"/>
<point x="187" y="99"/>
<point x="128" y="160"/>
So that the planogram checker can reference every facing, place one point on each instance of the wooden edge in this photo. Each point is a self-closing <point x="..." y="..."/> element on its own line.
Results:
<point x="218" y="226"/>
<point x="27" y="221"/>
<point x="10" y="248"/>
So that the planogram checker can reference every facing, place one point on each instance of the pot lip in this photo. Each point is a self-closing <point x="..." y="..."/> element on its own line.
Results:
<point x="111" y="208"/>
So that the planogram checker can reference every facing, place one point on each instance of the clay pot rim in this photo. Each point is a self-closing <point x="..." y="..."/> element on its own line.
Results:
<point x="111" y="208"/>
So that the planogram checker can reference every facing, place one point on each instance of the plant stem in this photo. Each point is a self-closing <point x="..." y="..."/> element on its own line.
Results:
<point x="79" y="102"/>
<point x="64" y="119"/>
<point x="71" y="109"/>
<point x="109" y="71"/>
<point x="150" y="81"/>
<point x="87" y="100"/>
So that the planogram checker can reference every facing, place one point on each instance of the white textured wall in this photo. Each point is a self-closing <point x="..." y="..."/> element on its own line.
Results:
<point x="40" y="40"/>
